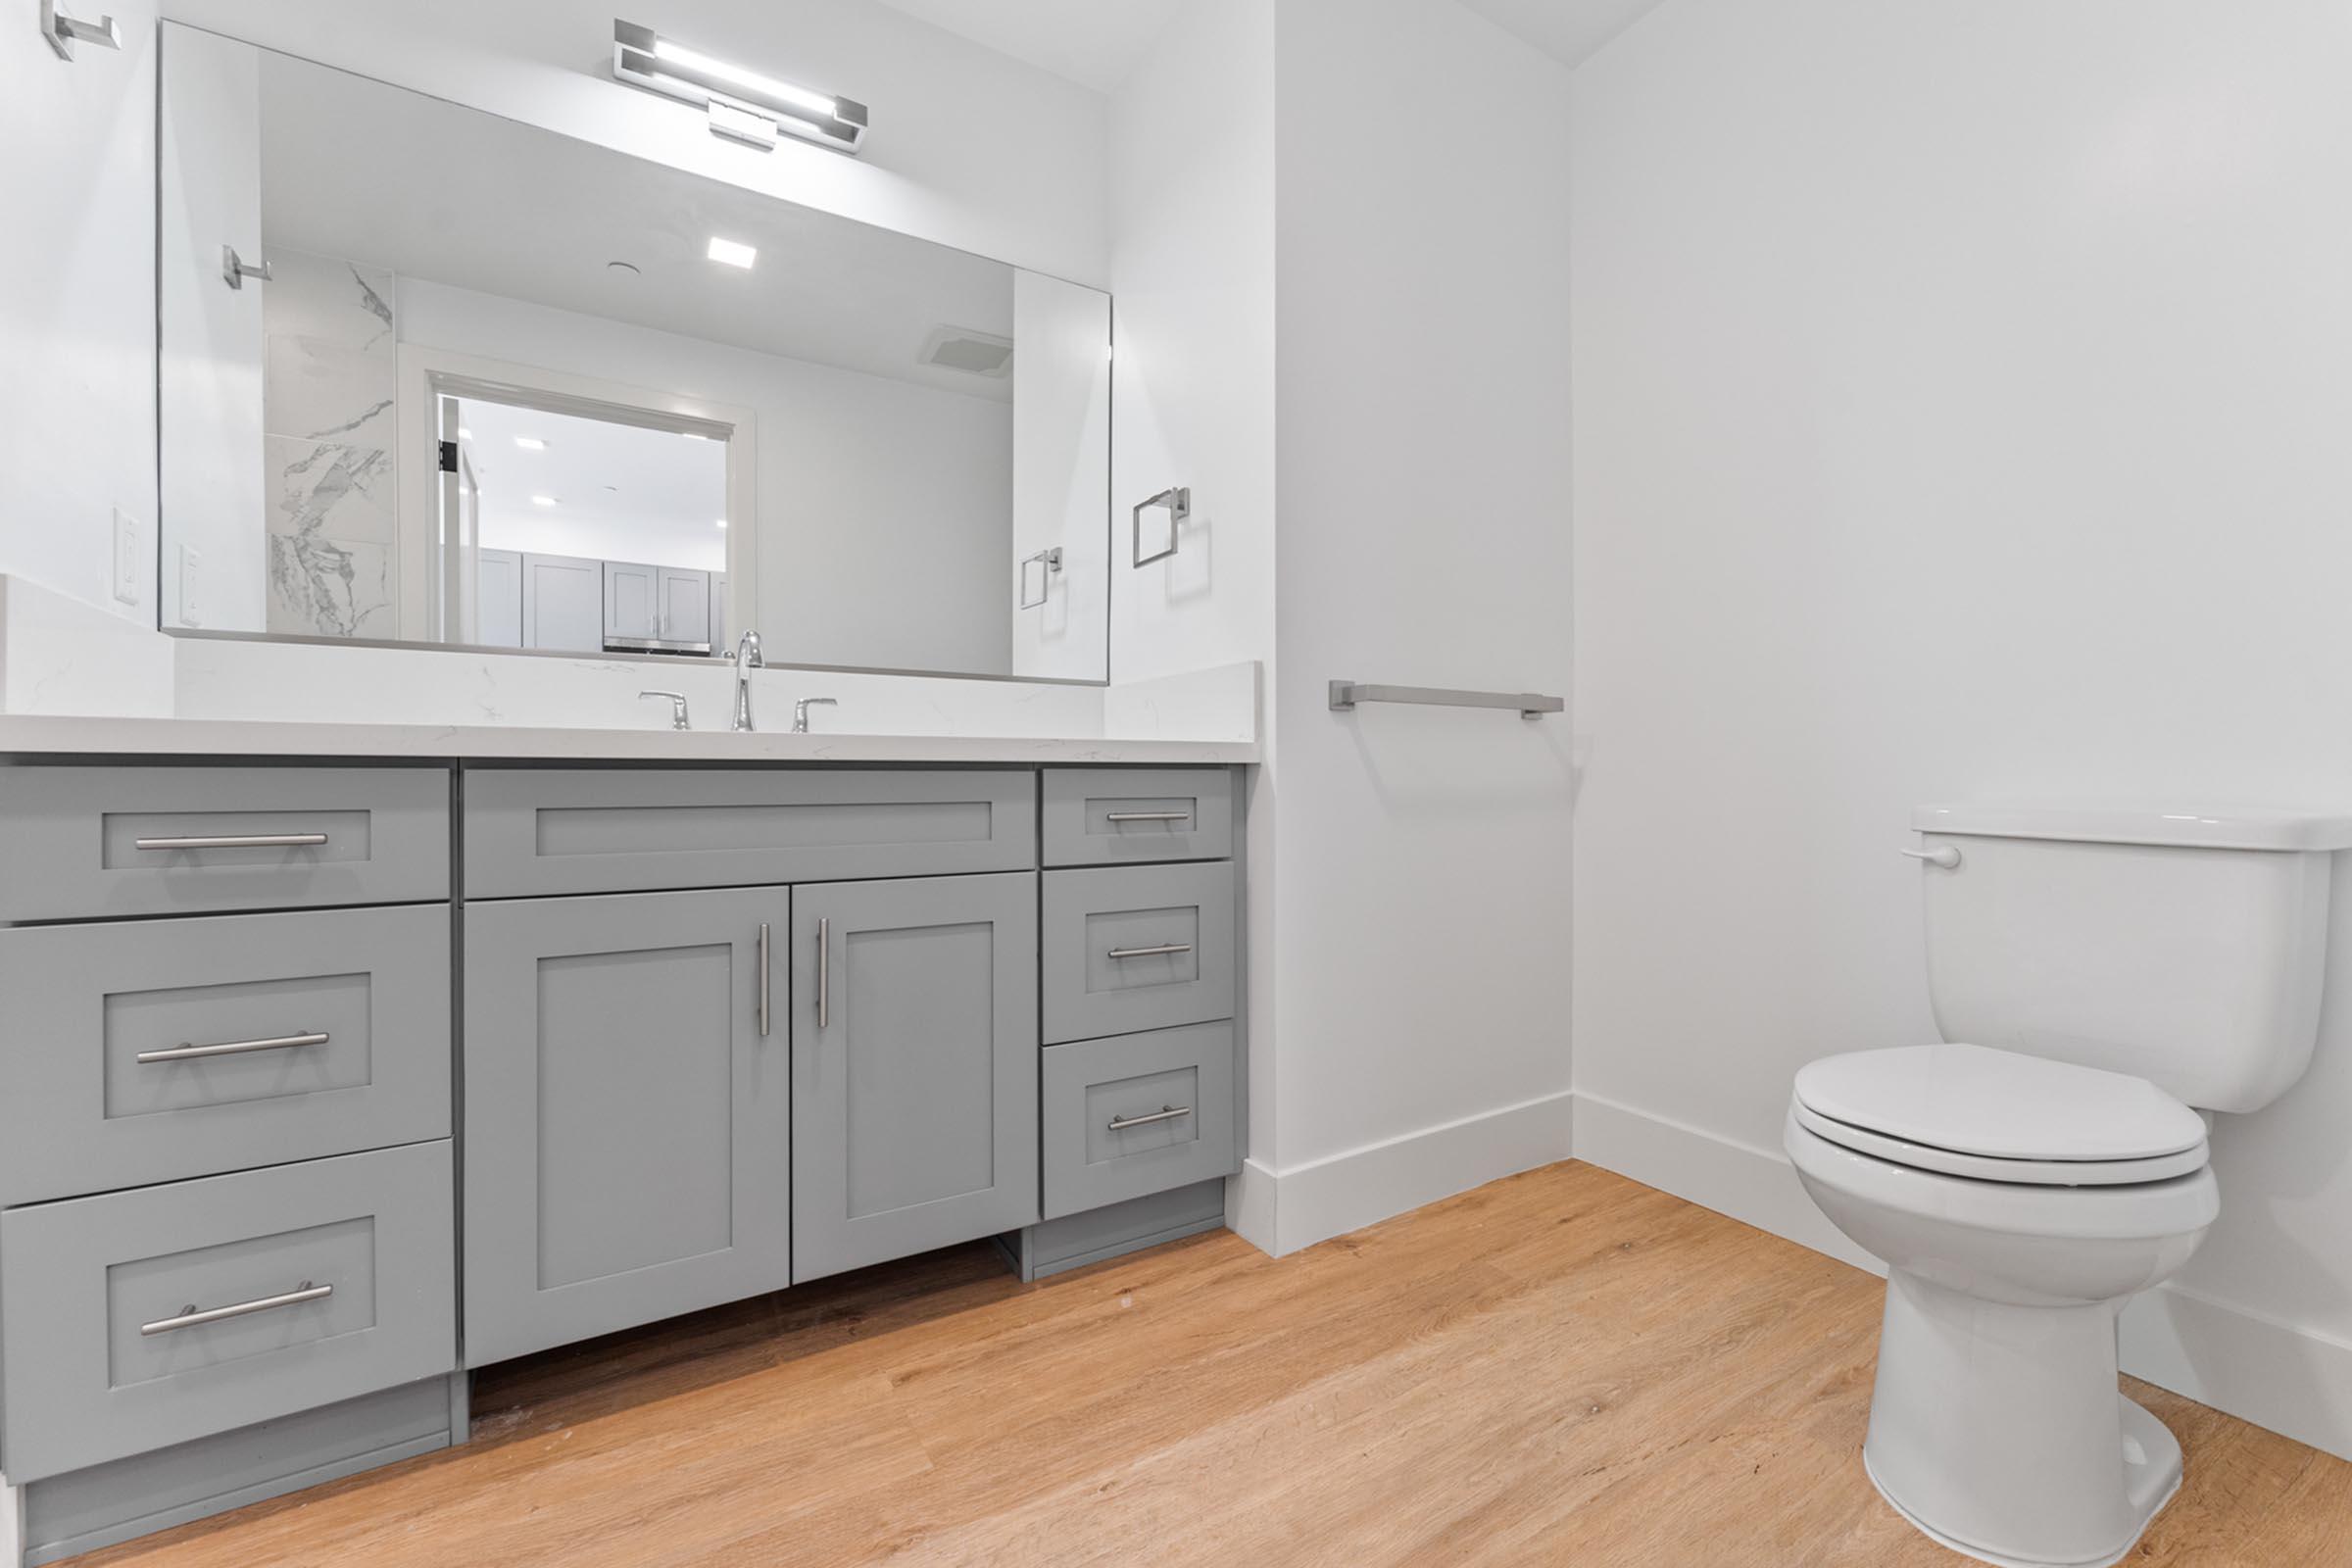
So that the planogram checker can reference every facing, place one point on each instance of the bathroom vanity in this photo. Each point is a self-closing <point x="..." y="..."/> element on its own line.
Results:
<point x="328" y="1080"/>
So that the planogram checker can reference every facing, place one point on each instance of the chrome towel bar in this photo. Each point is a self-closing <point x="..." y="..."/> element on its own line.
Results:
<point x="1346" y="693"/>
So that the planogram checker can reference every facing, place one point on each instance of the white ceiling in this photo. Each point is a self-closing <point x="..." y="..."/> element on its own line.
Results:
<point x="622" y="492"/>
<point x="1571" y="31"/>
<point x="432" y="190"/>
<point x="1094" y="43"/>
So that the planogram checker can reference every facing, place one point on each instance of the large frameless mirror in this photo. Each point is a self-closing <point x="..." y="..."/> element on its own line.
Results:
<point x="431" y="375"/>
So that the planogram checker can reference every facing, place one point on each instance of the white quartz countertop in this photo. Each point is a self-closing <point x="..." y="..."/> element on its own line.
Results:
<point x="209" y="737"/>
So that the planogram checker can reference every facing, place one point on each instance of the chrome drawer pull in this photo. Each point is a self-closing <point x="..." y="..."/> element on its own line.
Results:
<point x="1147" y="817"/>
<point x="763" y="979"/>
<point x="231" y="1047"/>
<point x="1120" y="1125"/>
<point x="190" y="1318"/>
<point x="1161" y="952"/>
<point x="236" y="841"/>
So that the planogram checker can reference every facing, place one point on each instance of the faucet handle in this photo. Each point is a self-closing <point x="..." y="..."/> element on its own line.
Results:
<point x="799" y="710"/>
<point x="678" y="708"/>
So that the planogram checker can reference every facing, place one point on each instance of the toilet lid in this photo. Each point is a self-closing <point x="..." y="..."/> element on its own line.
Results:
<point x="1971" y="1099"/>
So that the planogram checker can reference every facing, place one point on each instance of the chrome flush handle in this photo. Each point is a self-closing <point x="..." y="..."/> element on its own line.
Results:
<point x="1945" y="856"/>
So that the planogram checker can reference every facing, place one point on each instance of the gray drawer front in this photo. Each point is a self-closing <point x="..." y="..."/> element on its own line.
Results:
<point x="1112" y="816"/>
<point x="1089" y="915"/>
<point x="80" y="1278"/>
<point x="530" y="832"/>
<point x="80" y="1113"/>
<point x="1183" y="1078"/>
<point x="70" y="838"/>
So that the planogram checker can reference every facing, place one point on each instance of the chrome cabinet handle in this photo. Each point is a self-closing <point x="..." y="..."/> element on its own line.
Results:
<point x="190" y="1318"/>
<point x="1120" y="1125"/>
<point x="235" y="841"/>
<point x="1147" y="817"/>
<point x="1945" y="857"/>
<point x="184" y="1051"/>
<point x="825" y="965"/>
<point x="763" y="979"/>
<point x="1161" y="951"/>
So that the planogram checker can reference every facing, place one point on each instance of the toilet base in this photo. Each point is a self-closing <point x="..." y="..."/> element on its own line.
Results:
<point x="2155" y="1482"/>
<point x="1999" y="1431"/>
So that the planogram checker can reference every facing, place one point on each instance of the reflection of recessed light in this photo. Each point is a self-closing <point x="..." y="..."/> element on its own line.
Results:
<point x="694" y="435"/>
<point x="543" y="501"/>
<point x="722" y="523"/>
<point x="465" y="434"/>
<point x="530" y="443"/>
<point x="624" y="269"/>
<point x="732" y="252"/>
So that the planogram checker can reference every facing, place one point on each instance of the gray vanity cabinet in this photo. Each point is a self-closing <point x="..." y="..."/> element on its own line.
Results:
<point x="627" y="1092"/>
<point x="914" y="1067"/>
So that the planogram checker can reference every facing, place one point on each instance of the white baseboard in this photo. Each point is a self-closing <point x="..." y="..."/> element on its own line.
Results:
<point x="2256" y="1368"/>
<point x="1280" y="1211"/>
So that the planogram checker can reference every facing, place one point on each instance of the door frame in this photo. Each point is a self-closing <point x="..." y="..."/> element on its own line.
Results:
<point x="428" y="374"/>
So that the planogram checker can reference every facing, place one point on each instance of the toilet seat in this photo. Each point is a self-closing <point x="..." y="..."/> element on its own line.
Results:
<point x="1995" y="1116"/>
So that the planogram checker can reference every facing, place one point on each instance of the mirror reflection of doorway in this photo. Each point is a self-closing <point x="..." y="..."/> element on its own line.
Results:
<point x="579" y="528"/>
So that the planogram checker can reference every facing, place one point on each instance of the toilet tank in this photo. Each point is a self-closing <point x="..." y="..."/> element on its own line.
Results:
<point x="2182" y="946"/>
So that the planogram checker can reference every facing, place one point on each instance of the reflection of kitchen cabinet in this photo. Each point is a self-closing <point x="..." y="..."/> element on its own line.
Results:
<point x="498" y="597"/>
<point x="684" y="601"/>
<point x="563" y="602"/>
<point x="666" y="605"/>
<point x="632" y="602"/>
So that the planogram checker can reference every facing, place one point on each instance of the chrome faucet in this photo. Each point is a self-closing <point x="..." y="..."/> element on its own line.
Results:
<point x="747" y="660"/>
<point x="800" y="711"/>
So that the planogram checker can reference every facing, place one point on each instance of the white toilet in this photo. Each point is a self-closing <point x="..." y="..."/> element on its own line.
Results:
<point x="2109" y="968"/>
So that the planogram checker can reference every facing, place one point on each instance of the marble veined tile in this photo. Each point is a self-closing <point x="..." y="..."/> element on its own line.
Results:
<point x="330" y="488"/>
<point x="323" y="391"/>
<point x="330" y="299"/>
<point x="320" y="587"/>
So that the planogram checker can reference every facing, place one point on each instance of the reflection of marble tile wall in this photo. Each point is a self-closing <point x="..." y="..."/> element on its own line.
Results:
<point x="328" y="403"/>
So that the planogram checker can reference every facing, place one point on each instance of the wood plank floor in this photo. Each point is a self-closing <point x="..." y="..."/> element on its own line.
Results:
<point x="1563" y="1367"/>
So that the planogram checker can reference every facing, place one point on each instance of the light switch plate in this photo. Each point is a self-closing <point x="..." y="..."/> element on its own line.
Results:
<point x="128" y="572"/>
<point x="189" y="561"/>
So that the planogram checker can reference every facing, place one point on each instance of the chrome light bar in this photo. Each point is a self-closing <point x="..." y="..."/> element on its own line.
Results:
<point x="742" y="105"/>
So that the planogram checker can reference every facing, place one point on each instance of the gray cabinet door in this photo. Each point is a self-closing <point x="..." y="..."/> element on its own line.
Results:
<point x="914" y="1067"/>
<point x="563" y="604"/>
<point x="684" y="599"/>
<point x="498" y="597"/>
<point x="632" y="602"/>
<point x="628" y="1153"/>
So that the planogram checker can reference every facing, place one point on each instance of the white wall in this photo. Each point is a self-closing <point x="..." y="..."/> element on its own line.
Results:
<point x="1422" y="856"/>
<point x="968" y="147"/>
<point x="1060" y="478"/>
<point x="77" y="307"/>
<point x="1961" y="409"/>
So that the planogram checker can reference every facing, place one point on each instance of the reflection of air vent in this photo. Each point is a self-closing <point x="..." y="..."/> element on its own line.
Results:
<point x="958" y="348"/>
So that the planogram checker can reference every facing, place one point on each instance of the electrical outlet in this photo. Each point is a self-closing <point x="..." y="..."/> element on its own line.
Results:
<point x="189" y="561"/>
<point x="128" y="567"/>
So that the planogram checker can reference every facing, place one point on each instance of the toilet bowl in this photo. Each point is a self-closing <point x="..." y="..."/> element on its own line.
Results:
<point x="1997" y="1425"/>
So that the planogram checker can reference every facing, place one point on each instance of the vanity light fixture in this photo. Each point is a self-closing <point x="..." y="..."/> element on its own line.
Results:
<point x="742" y="105"/>
<point x="734" y="253"/>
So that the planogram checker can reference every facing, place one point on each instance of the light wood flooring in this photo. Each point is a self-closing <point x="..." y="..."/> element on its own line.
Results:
<point x="1563" y="1367"/>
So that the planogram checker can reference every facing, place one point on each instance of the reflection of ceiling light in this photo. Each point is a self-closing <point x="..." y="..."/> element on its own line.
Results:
<point x="742" y="104"/>
<point x="543" y="501"/>
<point x="530" y="443"/>
<point x="732" y="252"/>
<point x="694" y="435"/>
<point x="465" y="434"/>
<point x="722" y="523"/>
